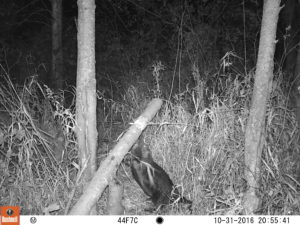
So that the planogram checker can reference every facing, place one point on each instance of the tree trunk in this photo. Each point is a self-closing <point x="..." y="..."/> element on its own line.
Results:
<point x="109" y="166"/>
<point x="254" y="137"/>
<point x="115" y="206"/>
<point x="86" y="89"/>
<point x="57" y="52"/>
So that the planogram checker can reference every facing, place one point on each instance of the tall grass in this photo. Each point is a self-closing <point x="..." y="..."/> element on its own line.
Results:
<point x="31" y="174"/>
<point x="197" y="137"/>
<point x="202" y="149"/>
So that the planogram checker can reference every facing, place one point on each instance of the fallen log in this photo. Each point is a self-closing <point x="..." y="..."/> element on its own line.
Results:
<point x="109" y="166"/>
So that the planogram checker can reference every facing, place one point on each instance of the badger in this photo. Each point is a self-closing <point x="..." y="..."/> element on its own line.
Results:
<point x="153" y="180"/>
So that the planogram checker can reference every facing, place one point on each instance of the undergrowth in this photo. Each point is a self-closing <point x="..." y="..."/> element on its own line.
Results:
<point x="197" y="137"/>
<point x="202" y="149"/>
<point x="38" y="165"/>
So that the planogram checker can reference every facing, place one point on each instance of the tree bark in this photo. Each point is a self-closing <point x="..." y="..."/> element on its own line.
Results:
<point x="86" y="89"/>
<point x="115" y="206"/>
<point x="57" y="52"/>
<point x="109" y="166"/>
<point x="254" y="137"/>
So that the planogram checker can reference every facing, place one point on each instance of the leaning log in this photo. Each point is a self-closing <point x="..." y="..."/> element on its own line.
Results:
<point x="109" y="166"/>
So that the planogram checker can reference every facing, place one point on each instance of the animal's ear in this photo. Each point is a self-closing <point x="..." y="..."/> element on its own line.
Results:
<point x="136" y="150"/>
<point x="135" y="146"/>
<point x="141" y="141"/>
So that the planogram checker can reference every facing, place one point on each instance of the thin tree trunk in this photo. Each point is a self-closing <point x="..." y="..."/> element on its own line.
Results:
<point x="254" y="137"/>
<point x="109" y="166"/>
<point x="57" y="52"/>
<point x="115" y="206"/>
<point x="86" y="88"/>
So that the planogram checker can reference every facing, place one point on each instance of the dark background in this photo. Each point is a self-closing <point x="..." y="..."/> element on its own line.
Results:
<point x="130" y="36"/>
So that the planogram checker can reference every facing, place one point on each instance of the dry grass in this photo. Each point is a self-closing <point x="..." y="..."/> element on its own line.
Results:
<point x="203" y="150"/>
<point x="201" y="146"/>
<point x="30" y="174"/>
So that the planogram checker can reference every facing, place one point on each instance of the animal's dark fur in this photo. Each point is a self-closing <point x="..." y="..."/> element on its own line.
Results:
<point x="154" y="181"/>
